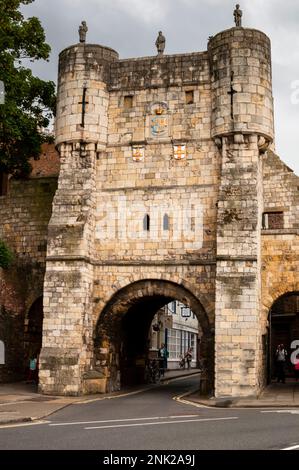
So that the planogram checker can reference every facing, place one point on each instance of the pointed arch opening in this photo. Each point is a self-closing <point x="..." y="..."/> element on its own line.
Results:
<point x="121" y="337"/>
<point x="283" y="330"/>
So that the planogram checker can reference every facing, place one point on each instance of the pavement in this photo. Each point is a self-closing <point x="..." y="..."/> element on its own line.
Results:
<point x="20" y="402"/>
<point x="276" y="395"/>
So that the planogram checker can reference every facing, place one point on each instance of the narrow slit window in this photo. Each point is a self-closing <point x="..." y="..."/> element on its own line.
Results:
<point x="3" y="183"/>
<point x="189" y="95"/>
<point x="128" y="102"/>
<point x="146" y="223"/>
<point x="166" y="222"/>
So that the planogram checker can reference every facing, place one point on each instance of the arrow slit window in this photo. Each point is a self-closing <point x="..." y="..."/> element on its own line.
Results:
<point x="146" y="223"/>
<point x="166" y="222"/>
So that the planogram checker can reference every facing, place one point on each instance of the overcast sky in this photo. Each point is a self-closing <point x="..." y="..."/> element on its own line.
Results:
<point x="131" y="27"/>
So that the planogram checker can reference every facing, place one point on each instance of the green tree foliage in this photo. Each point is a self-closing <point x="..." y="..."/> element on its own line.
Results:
<point x="29" y="101"/>
<point x="6" y="256"/>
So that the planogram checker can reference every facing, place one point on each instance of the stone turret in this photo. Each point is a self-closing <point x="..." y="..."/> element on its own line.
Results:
<point x="82" y="97"/>
<point x="242" y="101"/>
<point x="81" y="134"/>
<point x="242" y="128"/>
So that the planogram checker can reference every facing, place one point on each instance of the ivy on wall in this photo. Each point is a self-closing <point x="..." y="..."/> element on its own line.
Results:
<point x="6" y="256"/>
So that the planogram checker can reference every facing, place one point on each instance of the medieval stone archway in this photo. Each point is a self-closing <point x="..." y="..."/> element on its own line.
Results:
<point x="120" y="336"/>
<point x="283" y="329"/>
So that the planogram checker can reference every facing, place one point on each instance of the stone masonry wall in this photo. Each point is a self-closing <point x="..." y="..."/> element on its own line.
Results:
<point x="281" y="193"/>
<point x="159" y="184"/>
<point x="24" y="213"/>
<point x="280" y="247"/>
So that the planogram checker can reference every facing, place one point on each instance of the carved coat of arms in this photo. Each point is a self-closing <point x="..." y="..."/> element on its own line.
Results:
<point x="137" y="153"/>
<point x="158" y="119"/>
<point x="159" y="125"/>
<point x="179" y="152"/>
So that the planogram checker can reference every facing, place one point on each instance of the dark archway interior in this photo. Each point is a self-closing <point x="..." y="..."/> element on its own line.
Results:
<point x="34" y="330"/>
<point x="121" y="337"/>
<point x="284" y="329"/>
<point x="135" y="327"/>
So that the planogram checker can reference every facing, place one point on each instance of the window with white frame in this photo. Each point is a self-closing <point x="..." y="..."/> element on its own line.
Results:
<point x="174" y="343"/>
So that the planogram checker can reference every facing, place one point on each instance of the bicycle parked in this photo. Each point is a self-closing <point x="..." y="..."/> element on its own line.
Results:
<point x="152" y="372"/>
<point x="182" y="363"/>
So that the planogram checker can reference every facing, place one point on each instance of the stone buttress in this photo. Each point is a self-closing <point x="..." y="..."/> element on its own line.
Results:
<point x="80" y="137"/>
<point x="242" y="128"/>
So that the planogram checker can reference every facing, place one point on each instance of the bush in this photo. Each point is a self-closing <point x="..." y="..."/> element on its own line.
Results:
<point x="6" y="255"/>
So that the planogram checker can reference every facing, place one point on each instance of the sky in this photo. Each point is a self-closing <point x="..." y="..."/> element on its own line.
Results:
<point x="131" y="27"/>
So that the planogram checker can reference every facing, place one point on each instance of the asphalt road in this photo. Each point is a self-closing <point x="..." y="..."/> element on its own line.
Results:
<point x="156" y="420"/>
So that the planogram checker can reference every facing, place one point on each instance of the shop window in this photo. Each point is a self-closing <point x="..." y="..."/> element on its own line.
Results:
<point x="273" y="220"/>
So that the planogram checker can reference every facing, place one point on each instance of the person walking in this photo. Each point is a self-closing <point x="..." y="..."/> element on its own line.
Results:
<point x="32" y="372"/>
<point x="188" y="357"/>
<point x="163" y="356"/>
<point x="281" y="357"/>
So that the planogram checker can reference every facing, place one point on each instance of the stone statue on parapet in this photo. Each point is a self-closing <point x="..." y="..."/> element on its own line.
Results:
<point x="160" y="43"/>
<point x="82" y="31"/>
<point x="238" y="16"/>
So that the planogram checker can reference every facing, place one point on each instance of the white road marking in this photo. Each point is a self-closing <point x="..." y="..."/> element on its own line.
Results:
<point x="20" y="425"/>
<point x="292" y="412"/>
<point x="179" y="399"/>
<point x="187" y="402"/>
<point x="291" y="448"/>
<point x="162" y="422"/>
<point x="122" y="420"/>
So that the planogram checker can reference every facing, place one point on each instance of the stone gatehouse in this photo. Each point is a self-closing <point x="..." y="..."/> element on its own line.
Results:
<point x="169" y="189"/>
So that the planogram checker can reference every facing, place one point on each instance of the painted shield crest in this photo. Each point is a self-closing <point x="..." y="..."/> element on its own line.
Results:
<point x="159" y="125"/>
<point x="179" y="152"/>
<point x="137" y="153"/>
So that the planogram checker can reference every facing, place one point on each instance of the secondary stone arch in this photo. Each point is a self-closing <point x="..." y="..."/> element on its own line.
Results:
<point x="283" y="328"/>
<point x="135" y="305"/>
<point x="275" y="292"/>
